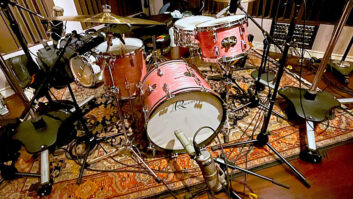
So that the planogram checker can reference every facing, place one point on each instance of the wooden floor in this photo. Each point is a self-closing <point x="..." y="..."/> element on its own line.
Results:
<point x="330" y="179"/>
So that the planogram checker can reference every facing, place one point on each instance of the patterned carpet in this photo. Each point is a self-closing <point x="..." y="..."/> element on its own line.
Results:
<point x="127" y="179"/>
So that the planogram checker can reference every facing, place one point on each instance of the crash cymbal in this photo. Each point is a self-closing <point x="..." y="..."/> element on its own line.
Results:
<point x="106" y="17"/>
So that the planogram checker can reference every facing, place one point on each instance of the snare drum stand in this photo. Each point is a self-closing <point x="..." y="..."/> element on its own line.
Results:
<point x="263" y="137"/>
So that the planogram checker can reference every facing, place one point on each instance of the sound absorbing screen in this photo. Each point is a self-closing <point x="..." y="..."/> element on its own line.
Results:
<point x="32" y="28"/>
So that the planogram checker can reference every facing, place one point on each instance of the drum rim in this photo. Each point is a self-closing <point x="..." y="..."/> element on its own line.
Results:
<point x="185" y="90"/>
<point x="221" y="26"/>
<point x="228" y="59"/>
<point x="178" y="27"/>
<point x="91" y="69"/>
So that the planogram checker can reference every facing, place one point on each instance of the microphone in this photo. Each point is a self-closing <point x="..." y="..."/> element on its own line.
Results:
<point x="233" y="6"/>
<point x="185" y="142"/>
<point x="214" y="177"/>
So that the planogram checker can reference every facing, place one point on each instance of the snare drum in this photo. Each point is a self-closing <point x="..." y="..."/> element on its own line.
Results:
<point x="124" y="65"/>
<point x="223" y="39"/>
<point x="184" y="30"/>
<point x="85" y="70"/>
<point x="176" y="97"/>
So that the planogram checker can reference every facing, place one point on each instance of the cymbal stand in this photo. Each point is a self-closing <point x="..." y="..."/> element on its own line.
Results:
<point x="128" y="143"/>
<point x="156" y="57"/>
<point x="262" y="138"/>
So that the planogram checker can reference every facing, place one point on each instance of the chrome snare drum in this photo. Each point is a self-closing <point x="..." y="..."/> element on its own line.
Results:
<point x="184" y="30"/>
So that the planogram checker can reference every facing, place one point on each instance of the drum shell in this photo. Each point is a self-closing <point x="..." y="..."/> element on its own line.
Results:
<point x="175" y="74"/>
<point x="172" y="70"/>
<point x="209" y="45"/>
<point x="127" y="71"/>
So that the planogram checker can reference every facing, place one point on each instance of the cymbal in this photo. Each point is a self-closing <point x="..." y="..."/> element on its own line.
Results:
<point x="106" y="17"/>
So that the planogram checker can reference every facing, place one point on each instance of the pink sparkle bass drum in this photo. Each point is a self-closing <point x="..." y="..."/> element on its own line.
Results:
<point x="127" y="64"/>
<point x="223" y="39"/>
<point x="176" y="97"/>
<point x="185" y="30"/>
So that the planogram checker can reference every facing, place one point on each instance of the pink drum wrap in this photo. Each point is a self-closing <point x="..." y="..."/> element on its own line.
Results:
<point x="208" y="44"/>
<point x="175" y="74"/>
<point x="177" y="98"/>
<point x="128" y="71"/>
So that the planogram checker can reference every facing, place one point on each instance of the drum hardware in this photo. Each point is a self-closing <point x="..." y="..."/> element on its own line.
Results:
<point x="262" y="138"/>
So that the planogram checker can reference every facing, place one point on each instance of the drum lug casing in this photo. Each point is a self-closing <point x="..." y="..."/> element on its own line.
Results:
<point x="214" y="35"/>
<point x="139" y="86"/>
<point x="169" y="95"/>
<point x="159" y="72"/>
<point x="132" y="62"/>
<point x="145" y="113"/>
<point x="216" y="51"/>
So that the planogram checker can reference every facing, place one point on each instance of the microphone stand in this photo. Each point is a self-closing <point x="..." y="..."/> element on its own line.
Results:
<point x="262" y="138"/>
<point x="34" y="68"/>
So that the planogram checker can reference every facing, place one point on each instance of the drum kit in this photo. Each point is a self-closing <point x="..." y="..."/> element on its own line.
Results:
<point x="174" y="95"/>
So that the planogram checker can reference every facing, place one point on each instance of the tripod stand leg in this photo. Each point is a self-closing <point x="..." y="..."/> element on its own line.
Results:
<point x="301" y="177"/>
<point x="82" y="169"/>
<point x="158" y="179"/>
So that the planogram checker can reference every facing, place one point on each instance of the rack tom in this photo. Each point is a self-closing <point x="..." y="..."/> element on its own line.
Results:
<point x="124" y="66"/>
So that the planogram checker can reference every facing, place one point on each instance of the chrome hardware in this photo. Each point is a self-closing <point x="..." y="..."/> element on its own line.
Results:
<point x="243" y="44"/>
<point x="145" y="113"/>
<point x="229" y="41"/>
<point x="151" y="148"/>
<point x="166" y="90"/>
<point x="214" y="35"/>
<point x="159" y="72"/>
<point x="217" y="51"/>
<point x="139" y="87"/>
<point x="151" y="88"/>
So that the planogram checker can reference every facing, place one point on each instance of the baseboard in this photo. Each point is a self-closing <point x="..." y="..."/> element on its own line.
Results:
<point x="308" y="53"/>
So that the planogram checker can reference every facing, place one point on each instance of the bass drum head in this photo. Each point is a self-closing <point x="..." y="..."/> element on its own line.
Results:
<point x="82" y="70"/>
<point x="186" y="112"/>
<point x="131" y="44"/>
<point x="189" y="23"/>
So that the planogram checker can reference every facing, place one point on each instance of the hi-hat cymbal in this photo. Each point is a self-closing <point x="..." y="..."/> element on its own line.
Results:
<point x="106" y="17"/>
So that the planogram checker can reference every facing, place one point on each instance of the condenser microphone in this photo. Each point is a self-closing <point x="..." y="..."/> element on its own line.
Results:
<point x="185" y="142"/>
<point x="233" y="6"/>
